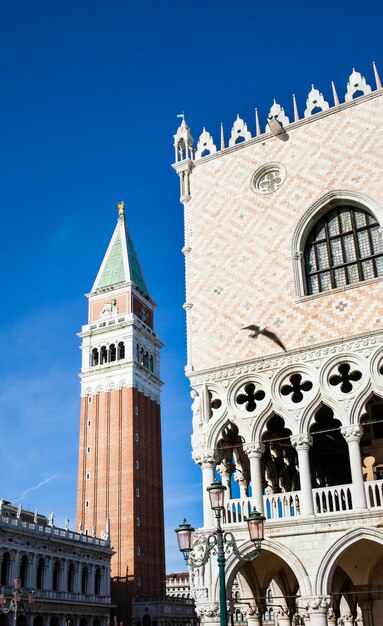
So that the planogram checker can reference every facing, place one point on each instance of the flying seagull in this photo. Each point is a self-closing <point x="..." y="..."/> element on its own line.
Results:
<point x="257" y="330"/>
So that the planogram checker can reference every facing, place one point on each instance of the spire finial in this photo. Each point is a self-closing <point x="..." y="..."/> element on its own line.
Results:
<point x="336" y="99"/>
<point x="296" y="114"/>
<point x="121" y="208"/>
<point x="377" y="79"/>
<point x="257" y="126"/>
<point x="222" y="138"/>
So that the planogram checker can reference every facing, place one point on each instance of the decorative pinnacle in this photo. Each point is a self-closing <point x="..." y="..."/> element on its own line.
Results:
<point x="121" y="208"/>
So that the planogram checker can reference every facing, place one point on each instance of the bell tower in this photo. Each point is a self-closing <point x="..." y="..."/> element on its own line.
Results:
<point x="120" y="465"/>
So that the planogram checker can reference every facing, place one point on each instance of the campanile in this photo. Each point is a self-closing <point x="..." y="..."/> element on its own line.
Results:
<point x="120" y="466"/>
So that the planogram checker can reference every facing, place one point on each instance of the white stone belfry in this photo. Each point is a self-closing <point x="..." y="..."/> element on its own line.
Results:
<point x="183" y="143"/>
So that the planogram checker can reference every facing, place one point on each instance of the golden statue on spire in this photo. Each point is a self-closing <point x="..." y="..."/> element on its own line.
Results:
<point x="121" y="208"/>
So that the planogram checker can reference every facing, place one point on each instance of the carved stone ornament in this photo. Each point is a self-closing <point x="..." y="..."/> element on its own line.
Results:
<point x="315" y="101"/>
<point x="254" y="450"/>
<point x="239" y="131"/>
<point x="200" y="593"/>
<point x="356" y="85"/>
<point x="250" y="610"/>
<point x="298" y="255"/>
<point x="205" y="457"/>
<point x="319" y="604"/>
<point x="278" y="113"/>
<point x="205" y="145"/>
<point x="268" y="178"/>
<point x="208" y="612"/>
<point x="110" y="309"/>
<point x="352" y="433"/>
<point x="302" y="442"/>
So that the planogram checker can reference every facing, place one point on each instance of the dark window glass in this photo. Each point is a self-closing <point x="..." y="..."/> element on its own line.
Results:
<point x="344" y="247"/>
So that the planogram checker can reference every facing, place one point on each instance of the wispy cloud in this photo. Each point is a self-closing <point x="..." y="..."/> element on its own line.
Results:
<point x="40" y="484"/>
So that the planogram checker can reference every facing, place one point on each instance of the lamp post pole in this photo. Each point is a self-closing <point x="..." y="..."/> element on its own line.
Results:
<point x="220" y="542"/>
<point x="221" y="560"/>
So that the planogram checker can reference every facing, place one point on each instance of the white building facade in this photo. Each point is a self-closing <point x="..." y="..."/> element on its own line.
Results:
<point x="68" y="572"/>
<point x="284" y="267"/>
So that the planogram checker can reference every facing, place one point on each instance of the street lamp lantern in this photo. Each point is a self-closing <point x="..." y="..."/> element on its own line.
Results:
<point x="220" y="542"/>
<point x="31" y="597"/>
<point x="255" y="524"/>
<point x="216" y="494"/>
<point x="184" y="537"/>
<point x="15" y="602"/>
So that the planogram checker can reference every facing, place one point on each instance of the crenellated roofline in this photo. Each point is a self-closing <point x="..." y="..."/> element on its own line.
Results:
<point x="277" y="124"/>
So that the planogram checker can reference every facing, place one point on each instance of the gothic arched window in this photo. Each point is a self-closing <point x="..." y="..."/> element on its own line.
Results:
<point x="345" y="247"/>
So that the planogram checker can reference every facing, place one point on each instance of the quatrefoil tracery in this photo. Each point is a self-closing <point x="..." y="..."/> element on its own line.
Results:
<point x="345" y="378"/>
<point x="296" y="388"/>
<point x="250" y="397"/>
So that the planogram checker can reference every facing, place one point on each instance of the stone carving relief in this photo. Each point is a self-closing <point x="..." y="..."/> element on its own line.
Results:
<point x="110" y="308"/>
<point x="196" y="410"/>
<point x="268" y="178"/>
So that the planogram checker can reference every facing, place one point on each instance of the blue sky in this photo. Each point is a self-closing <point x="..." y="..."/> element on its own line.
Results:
<point x="89" y="95"/>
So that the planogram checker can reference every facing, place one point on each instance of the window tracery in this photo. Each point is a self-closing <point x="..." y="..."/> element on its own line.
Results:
<point x="345" y="247"/>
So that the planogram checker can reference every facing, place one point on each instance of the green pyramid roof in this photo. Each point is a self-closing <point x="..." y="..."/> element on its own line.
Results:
<point x="120" y="263"/>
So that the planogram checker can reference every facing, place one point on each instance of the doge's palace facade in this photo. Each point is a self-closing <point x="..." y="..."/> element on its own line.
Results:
<point x="284" y="268"/>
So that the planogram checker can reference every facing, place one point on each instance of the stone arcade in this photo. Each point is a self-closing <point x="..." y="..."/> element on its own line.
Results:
<point x="283" y="234"/>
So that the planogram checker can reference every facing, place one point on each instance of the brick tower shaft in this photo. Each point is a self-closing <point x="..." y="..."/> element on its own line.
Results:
<point x="120" y="463"/>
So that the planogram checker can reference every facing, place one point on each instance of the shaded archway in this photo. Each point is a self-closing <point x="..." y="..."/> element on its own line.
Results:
<point x="279" y="459"/>
<point x="255" y="578"/>
<point x="329" y="458"/>
<point x="354" y="577"/>
<point x="371" y="449"/>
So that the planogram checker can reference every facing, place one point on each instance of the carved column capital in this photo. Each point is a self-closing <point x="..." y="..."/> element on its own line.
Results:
<point x="208" y="612"/>
<point x="205" y="458"/>
<point x="250" y="610"/>
<point x="254" y="450"/>
<point x="302" y="442"/>
<point x="352" y="433"/>
<point x="225" y="470"/>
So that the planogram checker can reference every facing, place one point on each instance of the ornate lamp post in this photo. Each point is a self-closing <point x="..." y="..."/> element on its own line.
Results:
<point x="15" y="603"/>
<point x="216" y="542"/>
